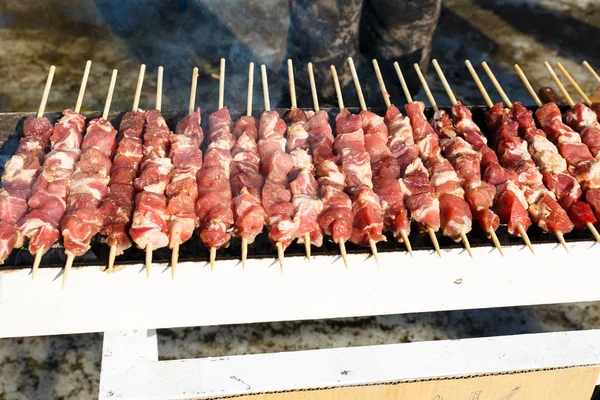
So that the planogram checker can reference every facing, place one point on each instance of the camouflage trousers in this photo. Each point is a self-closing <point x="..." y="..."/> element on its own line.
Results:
<point x="327" y="32"/>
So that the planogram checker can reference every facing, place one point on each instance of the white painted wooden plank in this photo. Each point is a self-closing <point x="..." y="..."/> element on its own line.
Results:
<point x="126" y="358"/>
<point x="96" y="302"/>
<point x="202" y="378"/>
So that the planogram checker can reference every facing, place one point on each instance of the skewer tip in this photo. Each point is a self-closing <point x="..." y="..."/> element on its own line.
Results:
<point x="174" y="259"/>
<point x="148" y="259"/>
<point x="213" y="257"/>
<point x="68" y="265"/>
<point x="406" y="242"/>
<point x="342" y="245"/>
<point x="561" y="239"/>
<point x="307" y="246"/>
<point x="244" y="252"/>
<point x="592" y="229"/>
<point x="525" y="238"/>
<point x="280" y="255"/>
<point x="111" y="258"/>
<point x="466" y="243"/>
<point x="373" y="246"/>
<point x="494" y="237"/>
<point x="36" y="263"/>
<point x="434" y="241"/>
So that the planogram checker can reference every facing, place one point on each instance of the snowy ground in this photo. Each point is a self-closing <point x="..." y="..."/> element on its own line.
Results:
<point x="35" y="34"/>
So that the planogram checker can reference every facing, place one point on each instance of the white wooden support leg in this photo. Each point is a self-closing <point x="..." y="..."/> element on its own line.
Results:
<point x="126" y="359"/>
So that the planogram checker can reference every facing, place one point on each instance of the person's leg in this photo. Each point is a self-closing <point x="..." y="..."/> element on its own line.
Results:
<point x="323" y="32"/>
<point x="398" y="30"/>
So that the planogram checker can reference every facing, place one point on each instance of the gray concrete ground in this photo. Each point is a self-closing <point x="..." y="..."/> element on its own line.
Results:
<point x="36" y="33"/>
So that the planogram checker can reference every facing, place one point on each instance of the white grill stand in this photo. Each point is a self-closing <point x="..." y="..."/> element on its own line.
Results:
<point x="129" y="307"/>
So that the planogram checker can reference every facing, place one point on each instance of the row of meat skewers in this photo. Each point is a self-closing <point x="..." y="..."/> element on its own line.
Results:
<point x="154" y="187"/>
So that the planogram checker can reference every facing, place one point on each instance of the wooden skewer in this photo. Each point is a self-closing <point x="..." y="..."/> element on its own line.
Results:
<point x="561" y="239"/>
<point x="591" y="70"/>
<point x="363" y="106"/>
<point x="136" y="101"/>
<point x="527" y="84"/>
<point x="86" y="74"/>
<point x="294" y="103"/>
<point x="265" y="84"/>
<point x="409" y="99"/>
<point x="561" y="87"/>
<point x="574" y="83"/>
<point x="525" y="238"/>
<point x="46" y="91"/>
<point x="38" y="256"/>
<point x="496" y="84"/>
<point x="425" y="85"/>
<point x="148" y="259"/>
<point x="484" y="93"/>
<point x="313" y="87"/>
<point x="248" y="113"/>
<point x="338" y="90"/>
<point x="109" y="95"/>
<point x="138" y="88"/>
<point x="388" y="103"/>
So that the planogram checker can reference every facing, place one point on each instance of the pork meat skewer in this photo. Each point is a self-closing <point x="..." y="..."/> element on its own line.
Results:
<point x="47" y="201"/>
<point x="89" y="185"/>
<point x="385" y="166"/>
<point x="553" y="166"/>
<point x="513" y="151"/>
<point x="456" y="218"/>
<point x="349" y="144"/>
<point x="304" y="187"/>
<point x="20" y="173"/>
<point x="509" y="202"/>
<point x="182" y="191"/>
<point x="276" y="165"/>
<point x="337" y="216"/>
<point x="214" y="208"/>
<point x="421" y="201"/>
<point x="117" y="208"/>
<point x="149" y="226"/>
<point x="246" y="179"/>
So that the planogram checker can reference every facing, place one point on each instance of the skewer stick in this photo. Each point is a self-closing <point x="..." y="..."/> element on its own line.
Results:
<point x="592" y="229"/>
<point x="315" y="98"/>
<point x="248" y="113"/>
<point x="403" y="82"/>
<point x="291" y="83"/>
<point x="363" y="106"/>
<point x="86" y="74"/>
<point x="444" y="80"/>
<point x="68" y="266"/>
<point x="384" y="92"/>
<point x="556" y="80"/>
<point x="265" y="84"/>
<point x="527" y="84"/>
<point x="213" y="257"/>
<point x="136" y="102"/>
<point x="574" y="83"/>
<point x="484" y="93"/>
<point x="222" y="83"/>
<point x="561" y="239"/>
<point x="109" y="95"/>
<point x="591" y="70"/>
<point x="148" y="259"/>
<point x="525" y="238"/>
<point x="46" y="91"/>
<point x="409" y="99"/>
<point x="361" y="98"/>
<point x="192" y="103"/>
<point x="496" y="84"/>
<point x="159" y="84"/>
<point x="388" y="103"/>
<point x="338" y="88"/>
<point x="433" y="103"/>
<point x="138" y="88"/>
<point x="313" y="88"/>
<point x="295" y="105"/>
<point x="426" y="88"/>
<point x="250" y="88"/>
